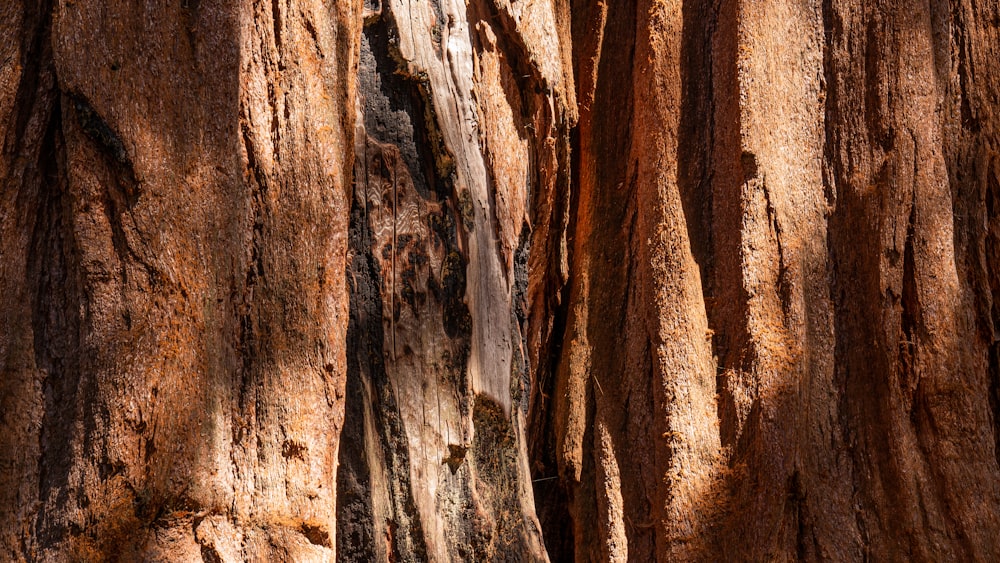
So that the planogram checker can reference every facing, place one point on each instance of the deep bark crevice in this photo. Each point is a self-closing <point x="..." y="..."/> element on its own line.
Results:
<point x="367" y="382"/>
<point x="57" y="344"/>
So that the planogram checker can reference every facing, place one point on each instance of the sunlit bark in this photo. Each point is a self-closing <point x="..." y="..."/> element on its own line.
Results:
<point x="489" y="280"/>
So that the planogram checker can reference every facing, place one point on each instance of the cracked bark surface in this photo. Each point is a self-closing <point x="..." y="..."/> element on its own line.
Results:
<point x="824" y="164"/>
<point x="589" y="280"/>
<point x="449" y="153"/>
<point x="175" y="205"/>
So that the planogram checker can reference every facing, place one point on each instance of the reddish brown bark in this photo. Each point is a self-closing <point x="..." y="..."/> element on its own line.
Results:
<point x="175" y="181"/>
<point x="578" y="280"/>
<point x="831" y="177"/>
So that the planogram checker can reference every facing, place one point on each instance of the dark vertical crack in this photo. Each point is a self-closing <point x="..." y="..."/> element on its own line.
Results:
<point x="56" y="326"/>
<point x="990" y="292"/>
<point x="249" y="329"/>
<point x="910" y="313"/>
<point x="277" y="23"/>
<point x="843" y="268"/>
<point x="694" y="173"/>
<point x="521" y="376"/>
<point x="552" y="497"/>
<point x="36" y="149"/>
<point x="365" y="362"/>
<point x="806" y="545"/>
<point x="994" y="395"/>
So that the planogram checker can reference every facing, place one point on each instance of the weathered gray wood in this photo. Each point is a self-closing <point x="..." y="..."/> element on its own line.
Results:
<point x="449" y="153"/>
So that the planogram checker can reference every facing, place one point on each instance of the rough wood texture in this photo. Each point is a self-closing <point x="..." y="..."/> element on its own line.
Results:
<point x="175" y="204"/>
<point x="435" y="463"/>
<point x="589" y="280"/>
<point x="829" y="167"/>
<point x="636" y="434"/>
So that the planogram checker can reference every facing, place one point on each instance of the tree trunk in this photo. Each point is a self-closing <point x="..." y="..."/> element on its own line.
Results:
<point x="175" y="206"/>
<point x="462" y="134"/>
<point x="381" y="280"/>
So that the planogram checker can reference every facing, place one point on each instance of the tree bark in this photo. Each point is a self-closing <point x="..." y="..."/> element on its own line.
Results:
<point x="829" y="168"/>
<point x="462" y="125"/>
<point x="592" y="280"/>
<point x="175" y="205"/>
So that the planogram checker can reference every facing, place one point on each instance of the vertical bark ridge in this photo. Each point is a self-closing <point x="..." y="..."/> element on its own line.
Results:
<point x="178" y="300"/>
<point x="461" y="109"/>
<point x="683" y="426"/>
<point x="779" y="401"/>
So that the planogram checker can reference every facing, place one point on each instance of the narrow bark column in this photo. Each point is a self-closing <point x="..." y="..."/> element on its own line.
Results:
<point x="779" y="405"/>
<point x="685" y="472"/>
<point x="913" y="365"/>
<point x="296" y="127"/>
<point x="638" y="441"/>
<point x="185" y="286"/>
<point x="462" y="106"/>
<point x="603" y="37"/>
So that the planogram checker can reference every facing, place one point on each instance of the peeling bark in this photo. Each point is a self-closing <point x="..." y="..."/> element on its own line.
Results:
<point x="499" y="280"/>
<point x="449" y="155"/>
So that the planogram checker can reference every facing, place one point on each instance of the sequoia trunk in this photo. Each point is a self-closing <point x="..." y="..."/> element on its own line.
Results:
<point x="175" y="204"/>
<point x="500" y="280"/>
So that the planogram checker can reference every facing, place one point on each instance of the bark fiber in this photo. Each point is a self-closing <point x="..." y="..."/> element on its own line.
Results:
<point x="500" y="280"/>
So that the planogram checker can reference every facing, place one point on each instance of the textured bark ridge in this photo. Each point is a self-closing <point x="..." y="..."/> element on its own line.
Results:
<point x="174" y="214"/>
<point x="479" y="280"/>
<point x="450" y="150"/>
<point x="796" y="195"/>
<point x="636" y="441"/>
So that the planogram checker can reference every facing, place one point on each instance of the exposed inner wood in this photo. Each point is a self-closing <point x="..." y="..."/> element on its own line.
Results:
<point x="480" y="280"/>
